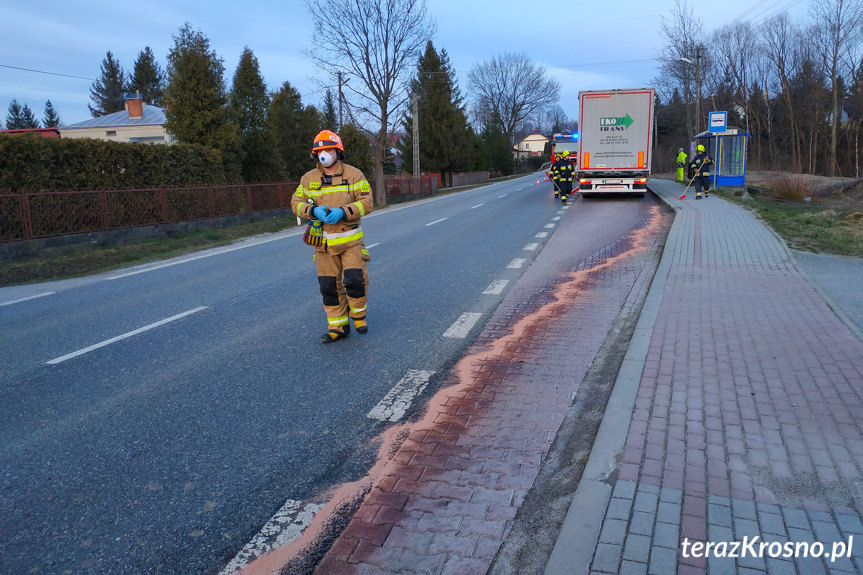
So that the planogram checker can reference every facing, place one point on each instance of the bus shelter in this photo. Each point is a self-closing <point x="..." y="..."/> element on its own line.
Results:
<point x="728" y="150"/>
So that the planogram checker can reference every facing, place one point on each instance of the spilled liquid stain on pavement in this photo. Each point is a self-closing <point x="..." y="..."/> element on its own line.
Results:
<point x="509" y="360"/>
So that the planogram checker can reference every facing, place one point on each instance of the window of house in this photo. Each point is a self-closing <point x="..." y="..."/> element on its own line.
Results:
<point x="111" y="133"/>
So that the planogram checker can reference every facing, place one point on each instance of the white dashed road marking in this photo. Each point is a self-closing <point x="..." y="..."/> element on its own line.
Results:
<point x="531" y="247"/>
<point x="373" y="245"/>
<point x="435" y="222"/>
<point x="287" y="524"/>
<point x="496" y="287"/>
<point x="477" y="206"/>
<point x="549" y="226"/>
<point x="124" y="336"/>
<point x="396" y="403"/>
<point x="542" y="235"/>
<point x="462" y="325"/>
<point x="516" y="263"/>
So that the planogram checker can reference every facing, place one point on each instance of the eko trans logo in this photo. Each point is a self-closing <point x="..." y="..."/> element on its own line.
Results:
<point x="615" y="124"/>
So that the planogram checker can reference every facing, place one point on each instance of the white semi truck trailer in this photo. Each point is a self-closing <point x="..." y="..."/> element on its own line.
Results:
<point x="616" y="138"/>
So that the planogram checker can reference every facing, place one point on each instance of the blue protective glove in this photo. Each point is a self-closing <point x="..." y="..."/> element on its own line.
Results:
<point x="320" y="213"/>
<point x="334" y="215"/>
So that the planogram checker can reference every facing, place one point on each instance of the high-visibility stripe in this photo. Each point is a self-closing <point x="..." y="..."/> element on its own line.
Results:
<point x="358" y="309"/>
<point x="343" y="237"/>
<point x="586" y="160"/>
<point x="360" y="207"/>
<point x="641" y="159"/>
<point x="336" y="321"/>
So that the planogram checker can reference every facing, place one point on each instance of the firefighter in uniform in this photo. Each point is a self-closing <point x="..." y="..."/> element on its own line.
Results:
<point x="562" y="172"/>
<point x="681" y="163"/>
<point x="338" y="195"/>
<point x="700" y="166"/>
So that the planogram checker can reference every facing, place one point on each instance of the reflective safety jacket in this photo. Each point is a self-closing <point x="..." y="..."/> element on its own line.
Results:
<point x="348" y="190"/>
<point x="562" y="170"/>
<point x="681" y="159"/>
<point x="702" y="161"/>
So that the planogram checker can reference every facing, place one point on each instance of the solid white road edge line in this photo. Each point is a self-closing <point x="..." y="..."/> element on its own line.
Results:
<point x="287" y="524"/>
<point x="462" y="325"/>
<point x="496" y="287"/>
<point x="28" y="298"/>
<point x="396" y="403"/>
<point x="209" y="254"/>
<point x="124" y="336"/>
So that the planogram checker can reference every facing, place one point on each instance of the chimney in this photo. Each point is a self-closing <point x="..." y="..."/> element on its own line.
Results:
<point x="134" y="105"/>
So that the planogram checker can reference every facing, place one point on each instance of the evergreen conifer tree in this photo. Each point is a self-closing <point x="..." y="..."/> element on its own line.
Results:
<point x="247" y="111"/>
<point x="293" y="128"/>
<point x="51" y="119"/>
<point x="445" y="136"/>
<point x="14" y="120"/>
<point x="106" y="93"/>
<point x="330" y="119"/>
<point x="194" y="99"/>
<point x="147" y="78"/>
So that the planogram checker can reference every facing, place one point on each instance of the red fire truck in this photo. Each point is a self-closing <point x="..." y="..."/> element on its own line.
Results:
<point x="564" y="141"/>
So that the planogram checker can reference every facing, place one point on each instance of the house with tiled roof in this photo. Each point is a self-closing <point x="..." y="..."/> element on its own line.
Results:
<point x="139" y="122"/>
<point x="531" y="145"/>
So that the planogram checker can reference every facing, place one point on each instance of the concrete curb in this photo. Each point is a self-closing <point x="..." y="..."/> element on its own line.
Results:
<point x="579" y="534"/>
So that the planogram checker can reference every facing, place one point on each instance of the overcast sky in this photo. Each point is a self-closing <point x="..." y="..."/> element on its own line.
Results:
<point x="583" y="44"/>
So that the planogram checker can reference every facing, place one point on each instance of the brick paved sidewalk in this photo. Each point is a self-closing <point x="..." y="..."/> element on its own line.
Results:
<point x="745" y="421"/>
<point x="450" y="493"/>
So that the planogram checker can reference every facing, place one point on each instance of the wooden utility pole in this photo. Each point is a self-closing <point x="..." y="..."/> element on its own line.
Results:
<point x="341" y="97"/>
<point x="415" y="108"/>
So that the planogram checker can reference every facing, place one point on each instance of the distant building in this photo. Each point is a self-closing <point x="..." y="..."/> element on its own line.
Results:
<point x="43" y="132"/>
<point x="531" y="145"/>
<point x="139" y="122"/>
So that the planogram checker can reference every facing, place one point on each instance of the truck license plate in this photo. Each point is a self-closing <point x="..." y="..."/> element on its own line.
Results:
<point x="612" y="181"/>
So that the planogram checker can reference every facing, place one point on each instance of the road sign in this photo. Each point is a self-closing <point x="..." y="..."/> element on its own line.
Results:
<point x="718" y="121"/>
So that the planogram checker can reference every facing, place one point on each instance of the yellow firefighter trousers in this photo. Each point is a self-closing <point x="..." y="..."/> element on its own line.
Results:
<point x="344" y="281"/>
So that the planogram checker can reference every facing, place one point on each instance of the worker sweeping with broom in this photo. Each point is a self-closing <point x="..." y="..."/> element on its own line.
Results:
<point x="701" y="173"/>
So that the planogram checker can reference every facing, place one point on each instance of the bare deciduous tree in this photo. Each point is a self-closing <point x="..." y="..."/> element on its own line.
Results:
<point x="682" y="33"/>
<point x="510" y="88"/>
<point x="837" y="33"/>
<point x="780" y="37"/>
<point x="376" y="43"/>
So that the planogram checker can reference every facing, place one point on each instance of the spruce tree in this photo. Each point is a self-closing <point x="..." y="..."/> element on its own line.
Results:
<point x="194" y="98"/>
<point x="51" y="119"/>
<point x="358" y="149"/>
<point x="292" y="127"/>
<point x="330" y="119"/>
<point x="106" y="93"/>
<point x="445" y="136"/>
<point x="247" y="111"/>
<point x="29" y="118"/>
<point x="14" y="119"/>
<point x="147" y="78"/>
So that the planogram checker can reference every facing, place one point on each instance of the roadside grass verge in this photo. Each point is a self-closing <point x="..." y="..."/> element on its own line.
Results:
<point x="810" y="219"/>
<point x="83" y="260"/>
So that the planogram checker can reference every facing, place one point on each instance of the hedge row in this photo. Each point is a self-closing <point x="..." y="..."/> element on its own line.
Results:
<point x="29" y="163"/>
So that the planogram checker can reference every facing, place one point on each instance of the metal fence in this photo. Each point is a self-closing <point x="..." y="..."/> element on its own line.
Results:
<point x="49" y="214"/>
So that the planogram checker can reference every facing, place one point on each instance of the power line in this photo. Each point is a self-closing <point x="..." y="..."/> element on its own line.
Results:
<point x="44" y="72"/>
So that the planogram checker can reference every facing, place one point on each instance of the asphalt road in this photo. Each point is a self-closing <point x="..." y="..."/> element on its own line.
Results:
<point x="153" y="419"/>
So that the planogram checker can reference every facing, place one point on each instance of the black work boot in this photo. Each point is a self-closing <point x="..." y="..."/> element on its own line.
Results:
<point x="361" y="325"/>
<point x="335" y="335"/>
